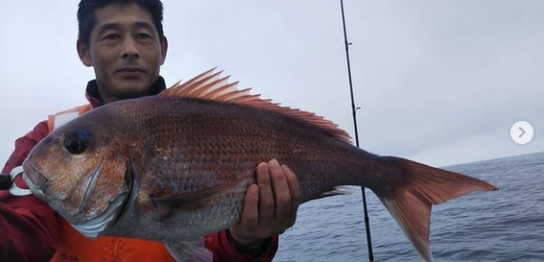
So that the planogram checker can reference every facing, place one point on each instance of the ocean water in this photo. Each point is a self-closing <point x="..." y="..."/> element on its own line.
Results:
<point x="503" y="225"/>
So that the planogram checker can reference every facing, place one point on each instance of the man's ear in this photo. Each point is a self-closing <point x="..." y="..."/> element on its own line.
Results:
<point x="83" y="52"/>
<point x="164" y="49"/>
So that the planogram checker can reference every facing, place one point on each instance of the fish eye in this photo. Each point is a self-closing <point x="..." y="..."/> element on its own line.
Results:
<point x="77" y="142"/>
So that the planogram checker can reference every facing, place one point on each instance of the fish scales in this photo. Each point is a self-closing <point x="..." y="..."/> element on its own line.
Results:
<point x="199" y="137"/>
<point x="176" y="166"/>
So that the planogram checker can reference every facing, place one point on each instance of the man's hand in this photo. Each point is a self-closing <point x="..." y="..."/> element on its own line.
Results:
<point x="270" y="206"/>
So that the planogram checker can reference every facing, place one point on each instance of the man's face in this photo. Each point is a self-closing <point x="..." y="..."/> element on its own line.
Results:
<point x="125" y="51"/>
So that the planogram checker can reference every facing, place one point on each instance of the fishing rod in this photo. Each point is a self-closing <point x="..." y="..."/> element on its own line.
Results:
<point x="354" y="112"/>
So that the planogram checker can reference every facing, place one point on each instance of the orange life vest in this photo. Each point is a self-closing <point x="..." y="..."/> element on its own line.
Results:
<point x="73" y="246"/>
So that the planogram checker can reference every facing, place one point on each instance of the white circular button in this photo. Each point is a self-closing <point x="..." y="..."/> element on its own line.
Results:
<point x="522" y="132"/>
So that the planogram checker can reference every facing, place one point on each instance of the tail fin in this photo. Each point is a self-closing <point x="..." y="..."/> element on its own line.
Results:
<point x="410" y="204"/>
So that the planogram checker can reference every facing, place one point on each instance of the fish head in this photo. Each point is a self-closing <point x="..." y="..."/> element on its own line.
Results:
<point x="82" y="172"/>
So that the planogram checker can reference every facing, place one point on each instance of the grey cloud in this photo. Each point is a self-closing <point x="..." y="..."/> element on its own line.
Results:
<point x="437" y="81"/>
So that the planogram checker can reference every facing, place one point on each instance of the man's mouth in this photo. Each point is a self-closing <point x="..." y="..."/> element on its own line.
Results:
<point x="131" y="72"/>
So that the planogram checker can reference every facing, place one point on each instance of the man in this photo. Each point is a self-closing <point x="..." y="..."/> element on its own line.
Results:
<point x="124" y="42"/>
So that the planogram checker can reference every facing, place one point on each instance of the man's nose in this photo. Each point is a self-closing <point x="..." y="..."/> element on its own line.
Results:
<point x="130" y="49"/>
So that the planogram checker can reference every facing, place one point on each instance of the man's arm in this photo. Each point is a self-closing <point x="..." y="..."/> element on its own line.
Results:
<point x="28" y="227"/>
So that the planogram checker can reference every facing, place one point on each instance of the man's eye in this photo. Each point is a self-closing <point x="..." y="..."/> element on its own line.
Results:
<point x="143" y="36"/>
<point x="112" y="36"/>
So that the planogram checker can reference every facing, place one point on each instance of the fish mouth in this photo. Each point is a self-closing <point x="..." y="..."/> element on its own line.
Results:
<point x="35" y="179"/>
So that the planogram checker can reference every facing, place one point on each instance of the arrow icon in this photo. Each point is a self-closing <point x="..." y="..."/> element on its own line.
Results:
<point x="526" y="134"/>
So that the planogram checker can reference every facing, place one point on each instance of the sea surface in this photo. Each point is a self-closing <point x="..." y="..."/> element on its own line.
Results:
<point x="503" y="225"/>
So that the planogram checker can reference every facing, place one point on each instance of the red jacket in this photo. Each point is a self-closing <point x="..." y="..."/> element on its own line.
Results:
<point x="30" y="230"/>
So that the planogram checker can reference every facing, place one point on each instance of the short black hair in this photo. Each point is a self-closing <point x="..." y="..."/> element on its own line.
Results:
<point x="87" y="8"/>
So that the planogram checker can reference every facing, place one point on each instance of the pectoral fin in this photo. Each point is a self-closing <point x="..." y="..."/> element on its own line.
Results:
<point x="189" y="251"/>
<point x="189" y="201"/>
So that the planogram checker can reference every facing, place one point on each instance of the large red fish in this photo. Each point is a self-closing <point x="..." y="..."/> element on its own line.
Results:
<point x="175" y="167"/>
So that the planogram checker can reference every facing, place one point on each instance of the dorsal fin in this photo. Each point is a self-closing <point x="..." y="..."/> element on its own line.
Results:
<point x="210" y="86"/>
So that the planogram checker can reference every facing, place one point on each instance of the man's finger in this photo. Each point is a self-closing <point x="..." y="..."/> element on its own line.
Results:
<point x="266" y="196"/>
<point x="250" y="215"/>
<point x="294" y="189"/>
<point x="282" y="196"/>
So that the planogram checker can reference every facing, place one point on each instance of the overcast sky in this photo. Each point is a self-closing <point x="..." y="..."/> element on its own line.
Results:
<point x="440" y="82"/>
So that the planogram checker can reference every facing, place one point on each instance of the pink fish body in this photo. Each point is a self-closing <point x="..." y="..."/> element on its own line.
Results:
<point x="175" y="167"/>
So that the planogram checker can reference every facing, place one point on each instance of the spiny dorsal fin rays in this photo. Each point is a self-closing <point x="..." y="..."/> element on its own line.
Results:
<point x="185" y="89"/>
<point x="203" y="84"/>
<point x="220" y="91"/>
<point x="199" y="77"/>
<point x="210" y="86"/>
<point x="231" y="96"/>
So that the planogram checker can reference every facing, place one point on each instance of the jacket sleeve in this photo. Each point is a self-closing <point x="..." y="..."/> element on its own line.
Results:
<point x="224" y="250"/>
<point x="28" y="227"/>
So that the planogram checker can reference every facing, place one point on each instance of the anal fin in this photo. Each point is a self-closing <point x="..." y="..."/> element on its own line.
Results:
<point x="335" y="191"/>
<point x="189" y="251"/>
